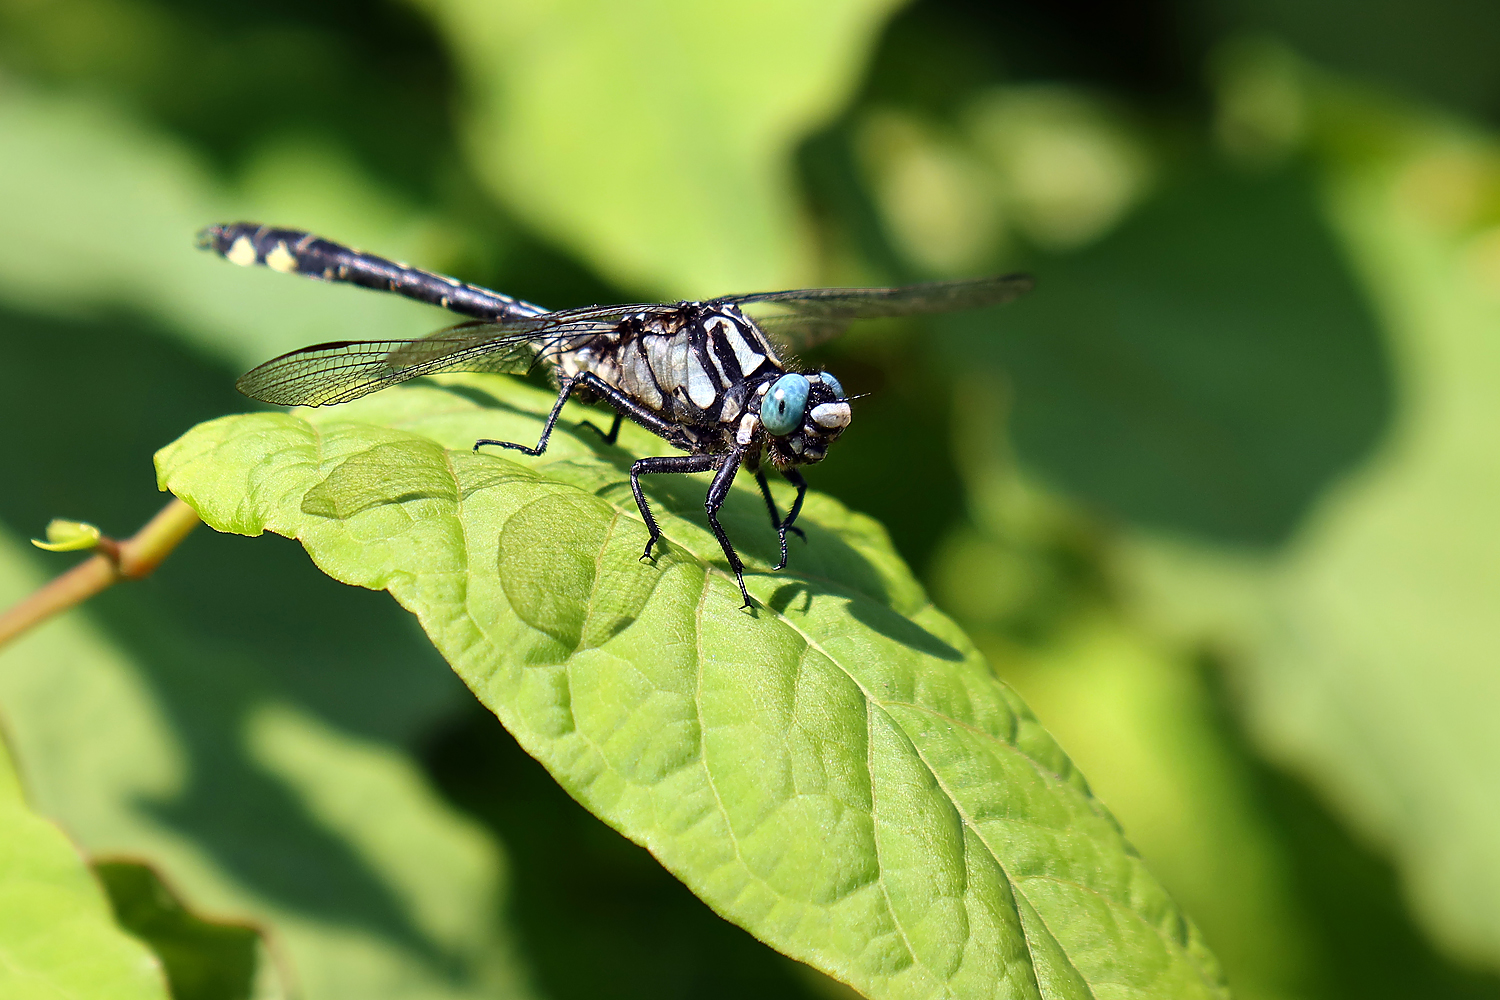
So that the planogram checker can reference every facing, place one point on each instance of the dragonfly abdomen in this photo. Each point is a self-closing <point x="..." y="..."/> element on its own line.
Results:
<point x="293" y="251"/>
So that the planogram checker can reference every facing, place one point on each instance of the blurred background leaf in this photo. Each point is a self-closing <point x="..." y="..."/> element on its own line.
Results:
<point x="203" y="959"/>
<point x="145" y="722"/>
<point x="58" y="937"/>
<point x="654" y="140"/>
<point x="1443" y="53"/>
<point x="1366" y="645"/>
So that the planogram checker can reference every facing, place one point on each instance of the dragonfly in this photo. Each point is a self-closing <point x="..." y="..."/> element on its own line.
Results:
<point x="716" y="379"/>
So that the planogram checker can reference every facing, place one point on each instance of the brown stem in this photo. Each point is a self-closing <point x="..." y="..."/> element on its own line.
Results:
<point x="132" y="559"/>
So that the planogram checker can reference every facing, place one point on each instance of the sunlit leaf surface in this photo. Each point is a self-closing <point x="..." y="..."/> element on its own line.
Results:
<point x="837" y="771"/>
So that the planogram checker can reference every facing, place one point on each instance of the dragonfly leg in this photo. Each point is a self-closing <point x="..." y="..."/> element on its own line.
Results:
<point x="622" y="404"/>
<point x="717" y="491"/>
<point x="726" y="467"/>
<point x="625" y="406"/>
<point x="795" y="478"/>
<point x="777" y="524"/>
<point x="565" y="389"/>
<point x="614" y="428"/>
<point x="663" y="463"/>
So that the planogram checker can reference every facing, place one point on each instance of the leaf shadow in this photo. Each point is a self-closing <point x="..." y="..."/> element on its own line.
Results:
<point x="747" y="522"/>
<point x="474" y="394"/>
<point x="878" y="618"/>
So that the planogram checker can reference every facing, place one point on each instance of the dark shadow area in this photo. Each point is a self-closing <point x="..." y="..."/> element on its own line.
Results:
<point x="903" y="630"/>
<point x="227" y="623"/>
<point x="786" y="595"/>
<point x="1364" y="943"/>
<point x="935" y="53"/>
<point x="204" y="959"/>
<point x="337" y="69"/>
<point x="596" y="915"/>
<point x="1440" y="51"/>
<point x="1210" y="367"/>
<point x="747" y="522"/>
<point x="878" y="619"/>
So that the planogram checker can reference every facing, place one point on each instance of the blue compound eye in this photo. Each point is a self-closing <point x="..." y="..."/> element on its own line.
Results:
<point x="833" y="384"/>
<point x="781" y="410"/>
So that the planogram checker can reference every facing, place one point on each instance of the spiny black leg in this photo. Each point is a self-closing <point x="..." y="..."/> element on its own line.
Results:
<point x="622" y="404"/>
<point x="625" y="406"/>
<point x="565" y="388"/>
<point x="614" y="429"/>
<point x="795" y="478"/>
<point x="727" y="466"/>
<point x="717" y="491"/>
<point x="777" y="524"/>
<point x="663" y="463"/>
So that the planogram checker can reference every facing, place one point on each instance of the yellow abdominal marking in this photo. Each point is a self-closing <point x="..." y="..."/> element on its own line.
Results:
<point x="281" y="259"/>
<point x="242" y="252"/>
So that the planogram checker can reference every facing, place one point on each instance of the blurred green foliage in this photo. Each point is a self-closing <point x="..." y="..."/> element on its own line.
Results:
<point x="1217" y="500"/>
<point x="57" y="938"/>
<point x="203" y="959"/>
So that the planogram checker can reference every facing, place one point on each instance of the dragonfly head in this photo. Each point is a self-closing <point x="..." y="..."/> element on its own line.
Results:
<point x="801" y="415"/>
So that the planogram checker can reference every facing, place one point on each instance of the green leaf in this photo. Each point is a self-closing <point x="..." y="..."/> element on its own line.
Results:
<point x="58" y="940"/>
<point x="1389" y="595"/>
<point x="1443" y="54"/>
<point x="655" y="139"/>
<point x="837" y="770"/>
<point x="1137" y="715"/>
<point x="204" y="959"/>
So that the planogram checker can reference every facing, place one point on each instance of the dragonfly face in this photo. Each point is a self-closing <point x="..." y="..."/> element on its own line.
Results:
<point x="705" y="376"/>
<point x="799" y="416"/>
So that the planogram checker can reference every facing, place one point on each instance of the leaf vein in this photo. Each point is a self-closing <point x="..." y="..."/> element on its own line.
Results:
<point x="885" y="893"/>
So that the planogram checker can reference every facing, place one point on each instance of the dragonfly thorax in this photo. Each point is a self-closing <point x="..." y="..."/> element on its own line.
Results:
<point x="695" y="365"/>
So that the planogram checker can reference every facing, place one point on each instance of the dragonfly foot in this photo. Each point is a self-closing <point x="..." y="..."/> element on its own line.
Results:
<point x="524" y="449"/>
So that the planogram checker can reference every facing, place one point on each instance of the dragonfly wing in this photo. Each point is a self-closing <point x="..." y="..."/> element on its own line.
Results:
<point x="345" y="370"/>
<point x="794" y="334"/>
<point x="338" y="372"/>
<point x="906" y="300"/>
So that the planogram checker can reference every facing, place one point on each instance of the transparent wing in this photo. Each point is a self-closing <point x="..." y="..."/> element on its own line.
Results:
<point x="800" y="333"/>
<point x="346" y="370"/>
<point x="805" y="317"/>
